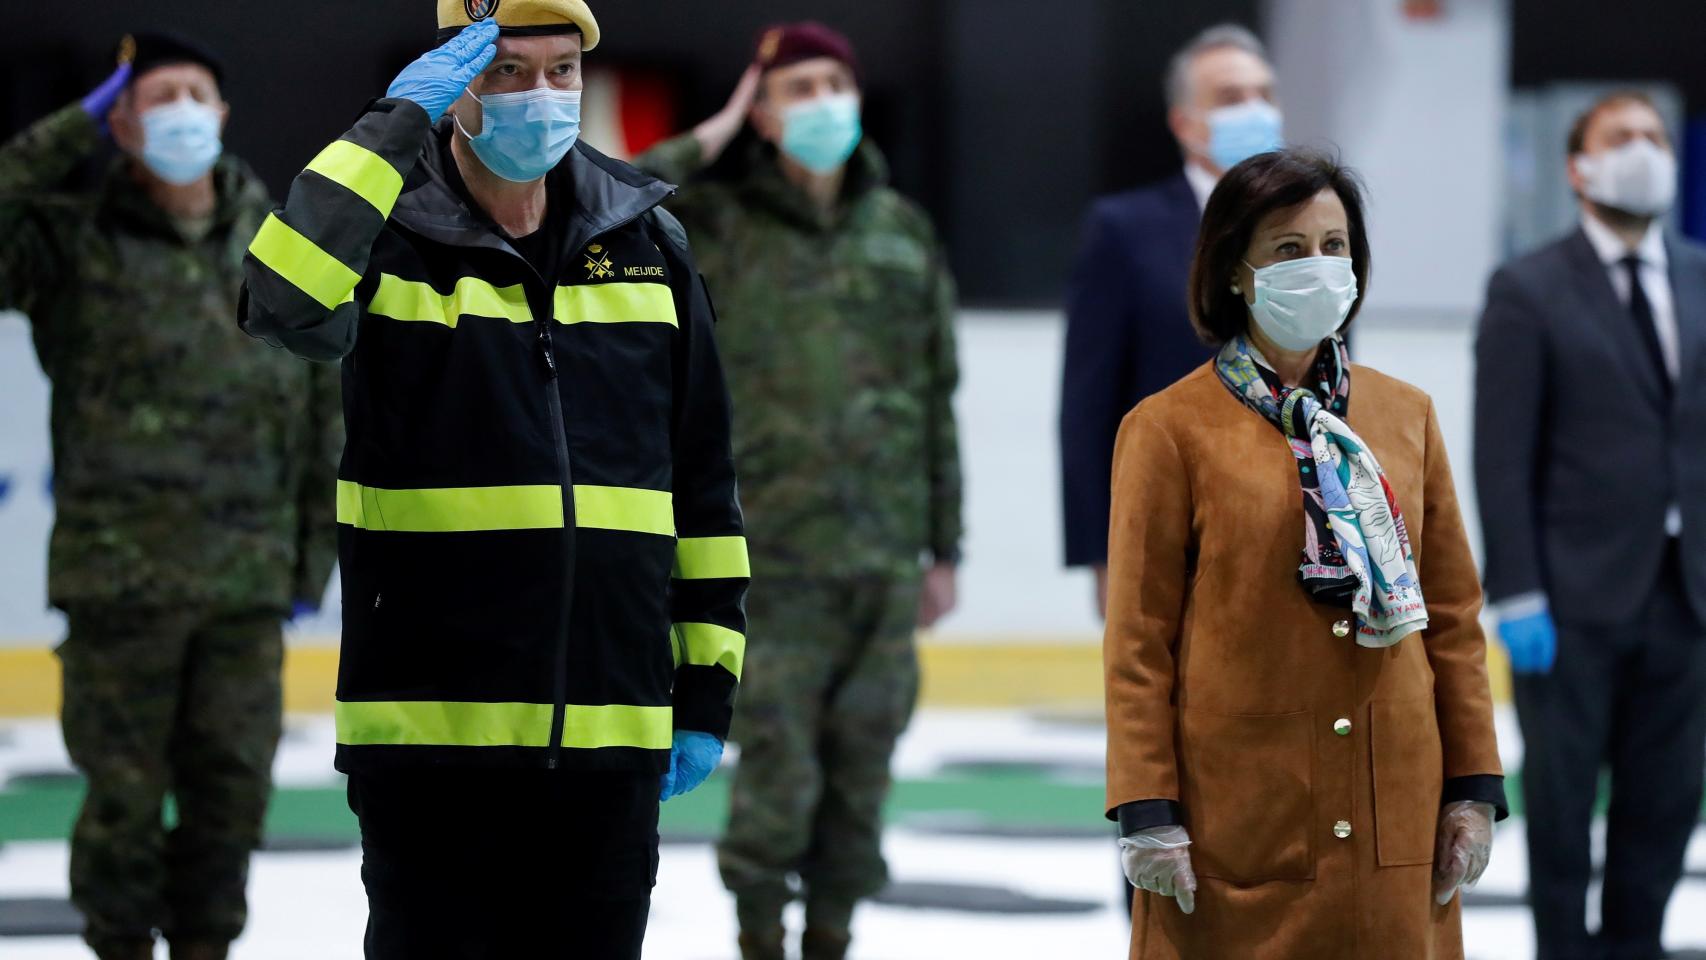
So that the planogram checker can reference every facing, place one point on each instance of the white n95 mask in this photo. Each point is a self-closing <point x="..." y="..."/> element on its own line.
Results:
<point x="1638" y="177"/>
<point x="1300" y="303"/>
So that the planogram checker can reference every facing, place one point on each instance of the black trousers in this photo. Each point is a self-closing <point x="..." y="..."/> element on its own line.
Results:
<point x="1632" y="698"/>
<point x="464" y="863"/>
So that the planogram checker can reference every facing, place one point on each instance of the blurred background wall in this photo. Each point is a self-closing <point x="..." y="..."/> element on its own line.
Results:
<point x="1003" y="118"/>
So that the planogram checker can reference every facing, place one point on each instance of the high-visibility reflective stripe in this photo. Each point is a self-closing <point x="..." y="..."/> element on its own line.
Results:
<point x="625" y="508"/>
<point x="451" y="509"/>
<point x="431" y="723"/>
<point x="711" y="558"/>
<point x="308" y="268"/>
<point x="411" y="300"/>
<point x="534" y="507"/>
<point x="361" y="171"/>
<point x="708" y="645"/>
<point x="615" y="303"/>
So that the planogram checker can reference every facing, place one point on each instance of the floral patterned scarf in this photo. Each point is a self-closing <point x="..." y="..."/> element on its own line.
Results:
<point x="1356" y="551"/>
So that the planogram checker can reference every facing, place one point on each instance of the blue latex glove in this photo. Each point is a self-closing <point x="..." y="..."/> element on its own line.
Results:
<point x="1532" y="642"/>
<point x="100" y="100"/>
<point x="302" y="608"/>
<point x="439" y="76"/>
<point x="691" y="760"/>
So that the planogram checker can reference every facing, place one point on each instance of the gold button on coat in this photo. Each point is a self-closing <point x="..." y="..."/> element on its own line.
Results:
<point x="1342" y="628"/>
<point x="1342" y="726"/>
<point x="1342" y="829"/>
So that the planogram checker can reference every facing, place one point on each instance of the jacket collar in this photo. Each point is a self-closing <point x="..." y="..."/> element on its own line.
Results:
<point x="236" y="190"/>
<point x="607" y="194"/>
<point x="866" y="171"/>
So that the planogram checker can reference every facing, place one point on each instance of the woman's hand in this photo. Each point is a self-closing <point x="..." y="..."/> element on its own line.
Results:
<point x="1159" y="860"/>
<point x="1464" y="845"/>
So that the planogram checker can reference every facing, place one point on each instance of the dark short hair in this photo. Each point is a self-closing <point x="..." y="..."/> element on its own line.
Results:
<point x="1247" y="193"/>
<point x="1577" y="141"/>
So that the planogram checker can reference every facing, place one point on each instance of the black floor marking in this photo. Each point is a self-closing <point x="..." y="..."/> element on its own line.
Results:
<point x="974" y="898"/>
<point x="39" y="918"/>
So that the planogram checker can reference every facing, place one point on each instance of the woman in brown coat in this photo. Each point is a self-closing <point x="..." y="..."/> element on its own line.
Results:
<point x="1300" y="733"/>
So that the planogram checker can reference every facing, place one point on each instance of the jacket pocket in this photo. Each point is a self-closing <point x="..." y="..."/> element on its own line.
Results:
<point x="1408" y="777"/>
<point x="1247" y="786"/>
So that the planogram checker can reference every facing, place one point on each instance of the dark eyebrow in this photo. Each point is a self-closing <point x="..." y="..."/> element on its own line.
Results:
<point x="1292" y="233"/>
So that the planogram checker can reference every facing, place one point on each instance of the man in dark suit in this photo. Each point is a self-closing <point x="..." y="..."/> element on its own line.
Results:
<point x="1590" y="468"/>
<point x="1128" y="333"/>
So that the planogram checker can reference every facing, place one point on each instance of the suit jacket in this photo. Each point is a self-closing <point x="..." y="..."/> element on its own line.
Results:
<point x="1128" y="335"/>
<point x="1577" y="454"/>
<point x="1226" y="683"/>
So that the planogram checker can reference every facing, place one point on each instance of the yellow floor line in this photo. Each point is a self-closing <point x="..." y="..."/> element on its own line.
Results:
<point x="1024" y="671"/>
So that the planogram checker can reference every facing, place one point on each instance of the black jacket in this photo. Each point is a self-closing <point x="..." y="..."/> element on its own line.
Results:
<point x="1578" y="454"/>
<point x="516" y="491"/>
<point x="1128" y="335"/>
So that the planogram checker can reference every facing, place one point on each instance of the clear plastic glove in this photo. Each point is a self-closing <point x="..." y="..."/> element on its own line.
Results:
<point x="1464" y="845"/>
<point x="441" y="75"/>
<point x="1531" y="641"/>
<point x="100" y="100"/>
<point x="691" y="759"/>
<point x="1159" y="860"/>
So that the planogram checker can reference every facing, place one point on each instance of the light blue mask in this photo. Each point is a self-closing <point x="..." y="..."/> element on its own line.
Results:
<point x="821" y="134"/>
<point x="526" y="134"/>
<point x="1239" y="132"/>
<point x="180" y="141"/>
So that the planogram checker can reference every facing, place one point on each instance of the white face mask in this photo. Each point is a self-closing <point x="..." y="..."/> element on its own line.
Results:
<point x="1638" y="177"/>
<point x="1300" y="303"/>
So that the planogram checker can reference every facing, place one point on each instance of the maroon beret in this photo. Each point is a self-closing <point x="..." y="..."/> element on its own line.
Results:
<point x="789" y="43"/>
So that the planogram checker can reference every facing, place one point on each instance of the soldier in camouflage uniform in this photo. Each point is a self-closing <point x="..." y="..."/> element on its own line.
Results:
<point x="194" y="477"/>
<point x="836" y="329"/>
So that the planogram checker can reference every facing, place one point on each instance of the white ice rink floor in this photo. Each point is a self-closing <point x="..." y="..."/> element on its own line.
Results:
<point x="310" y="906"/>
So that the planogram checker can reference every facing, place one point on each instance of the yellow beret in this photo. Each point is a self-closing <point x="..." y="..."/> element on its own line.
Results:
<point x="520" y="17"/>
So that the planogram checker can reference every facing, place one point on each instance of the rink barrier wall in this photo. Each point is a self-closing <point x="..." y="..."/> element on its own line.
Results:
<point x="1049" y="673"/>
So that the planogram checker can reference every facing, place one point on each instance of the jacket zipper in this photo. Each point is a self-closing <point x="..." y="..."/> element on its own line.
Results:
<point x="565" y="476"/>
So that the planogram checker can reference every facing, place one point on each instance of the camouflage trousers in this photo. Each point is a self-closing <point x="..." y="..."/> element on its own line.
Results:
<point x="830" y="683"/>
<point x="179" y="702"/>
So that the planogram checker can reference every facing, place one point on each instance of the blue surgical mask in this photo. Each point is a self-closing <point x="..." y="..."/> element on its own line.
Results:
<point x="1300" y="303"/>
<point x="180" y="140"/>
<point x="1239" y="132"/>
<point x="526" y="134"/>
<point x="822" y="133"/>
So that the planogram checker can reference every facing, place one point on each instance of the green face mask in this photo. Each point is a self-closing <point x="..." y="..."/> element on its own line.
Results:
<point x="821" y="134"/>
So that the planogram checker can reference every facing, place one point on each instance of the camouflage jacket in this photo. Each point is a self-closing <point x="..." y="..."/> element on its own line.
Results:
<point x="837" y="334"/>
<point x="192" y="464"/>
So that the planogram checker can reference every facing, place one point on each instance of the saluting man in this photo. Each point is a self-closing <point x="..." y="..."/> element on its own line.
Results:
<point x="838" y="310"/>
<point x="538" y="441"/>
<point x="193" y="477"/>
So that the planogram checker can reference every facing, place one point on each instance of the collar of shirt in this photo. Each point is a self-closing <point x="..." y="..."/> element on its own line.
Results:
<point x="1202" y="182"/>
<point x="1611" y="249"/>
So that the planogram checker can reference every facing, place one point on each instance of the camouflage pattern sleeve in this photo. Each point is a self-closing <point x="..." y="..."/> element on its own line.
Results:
<point x="317" y="514"/>
<point x="32" y="164"/>
<point x="943" y="439"/>
<point x="675" y="160"/>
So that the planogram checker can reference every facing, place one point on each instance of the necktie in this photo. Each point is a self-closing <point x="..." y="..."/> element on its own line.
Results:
<point x="1641" y="311"/>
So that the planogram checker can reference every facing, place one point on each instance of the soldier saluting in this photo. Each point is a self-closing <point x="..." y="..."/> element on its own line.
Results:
<point x="193" y="475"/>
<point x="837" y="311"/>
<point x="542" y="554"/>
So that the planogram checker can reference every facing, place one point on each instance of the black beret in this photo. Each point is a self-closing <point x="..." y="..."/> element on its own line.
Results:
<point x="145" y="51"/>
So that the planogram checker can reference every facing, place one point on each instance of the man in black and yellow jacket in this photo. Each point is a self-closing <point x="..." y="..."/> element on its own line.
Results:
<point x="543" y="561"/>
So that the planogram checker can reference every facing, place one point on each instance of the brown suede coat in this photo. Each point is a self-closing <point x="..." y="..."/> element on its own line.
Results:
<point x="1225" y="682"/>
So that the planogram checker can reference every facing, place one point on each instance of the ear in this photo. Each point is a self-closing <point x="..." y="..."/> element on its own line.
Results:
<point x="1187" y="128"/>
<point x="1572" y="170"/>
<point x="224" y="115"/>
<point x="125" y="128"/>
<point x="765" y="121"/>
